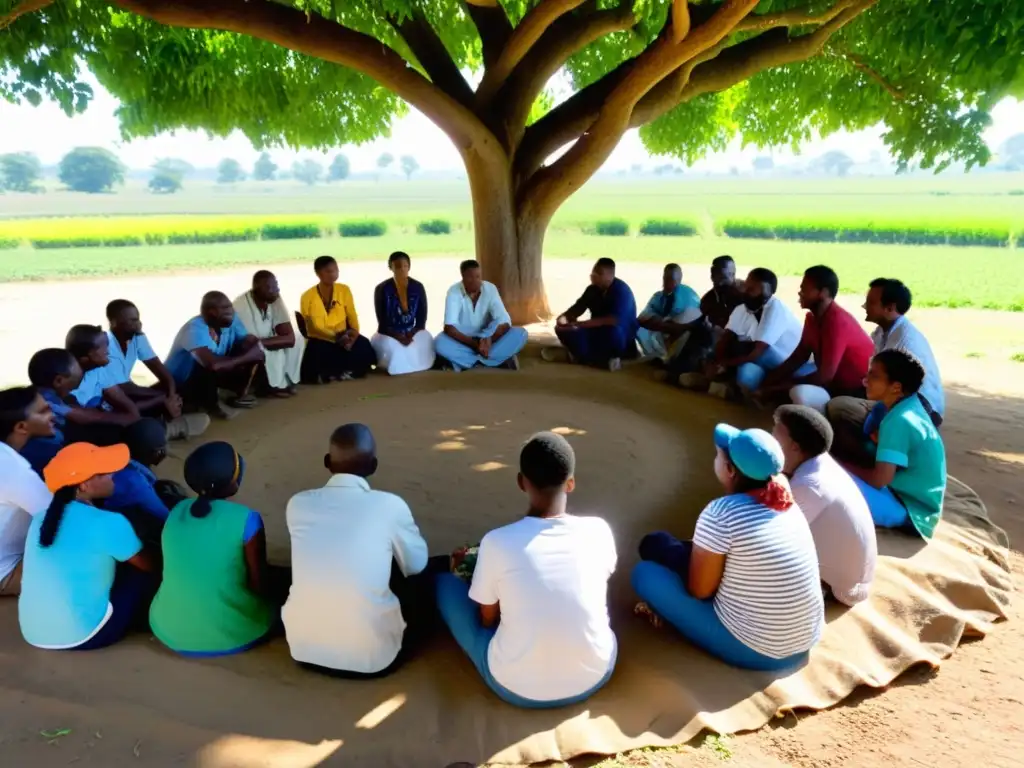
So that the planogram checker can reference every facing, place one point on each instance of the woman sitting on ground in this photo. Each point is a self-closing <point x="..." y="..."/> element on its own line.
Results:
<point x="86" y="576"/>
<point x="334" y="349"/>
<point x="402" y="342"/>
<point x="746" y="588"/>
<point x="211" y="601"/>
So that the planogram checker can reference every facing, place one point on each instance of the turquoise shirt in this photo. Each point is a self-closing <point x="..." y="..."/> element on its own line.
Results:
<point x="908" y="438"/>
<point x="669" y="305"/>
<point x="65" y="589"/>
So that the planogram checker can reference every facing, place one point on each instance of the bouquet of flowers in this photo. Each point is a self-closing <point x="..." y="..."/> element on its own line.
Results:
<point x="463" y="562"/>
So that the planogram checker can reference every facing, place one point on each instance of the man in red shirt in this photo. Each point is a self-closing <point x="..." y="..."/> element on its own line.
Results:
<point x="841" y="348"/>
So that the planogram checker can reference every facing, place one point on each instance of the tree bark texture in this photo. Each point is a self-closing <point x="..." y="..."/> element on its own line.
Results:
<point x="701" y="49"/>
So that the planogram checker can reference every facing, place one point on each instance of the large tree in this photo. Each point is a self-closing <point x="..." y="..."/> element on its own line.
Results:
<point x="20" y="172"/>
<point x="90" y="169"/>
<point x="691" y="76"/>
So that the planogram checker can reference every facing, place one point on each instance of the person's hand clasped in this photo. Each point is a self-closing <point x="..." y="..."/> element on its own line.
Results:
<point x="484" y="347"/>
<point x="173" y="406"/>
<point x="347" y="339"/>
<point x="405" y="339"/>
<point x="562" y="320"/>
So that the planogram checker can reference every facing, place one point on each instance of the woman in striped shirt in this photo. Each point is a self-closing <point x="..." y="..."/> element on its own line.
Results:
<point x="746" y="589"/>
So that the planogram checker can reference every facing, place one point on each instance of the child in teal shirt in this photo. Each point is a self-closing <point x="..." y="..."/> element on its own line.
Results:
<point x="211" y="601"/>
<point x="906" y="485"/>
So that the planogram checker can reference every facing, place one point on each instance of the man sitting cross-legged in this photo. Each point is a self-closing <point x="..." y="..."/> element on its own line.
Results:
<point x="844" y="535"/>
<point x="129" y="345"/>
<point x="477" y="327"/>
<point x="610" y="333"/>
<point x="905" y="482"/>
<point x="833" y="336"/>
<point x="214" y="350"/>
<point x="761" y="333"/>
<point x="887" y="304"/>
<point x="666" y="318"/>
<point x="359" y="552"/>
<point x="535" y="622"/>
<point x="264" y="315"/>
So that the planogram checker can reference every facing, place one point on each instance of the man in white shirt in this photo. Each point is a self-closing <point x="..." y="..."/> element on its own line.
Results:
<point x="477" y="327"/>
<point x="887" y="303"/>
<point x="761" y="334"/>
<point x="359" y="599"/>
<point x="545" y="578"/>
<point x="844" y="533"/>
<point x="24" y="414"/>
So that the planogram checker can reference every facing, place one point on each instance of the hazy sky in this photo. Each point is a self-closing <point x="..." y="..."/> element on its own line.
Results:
<point x="47" y="132"/>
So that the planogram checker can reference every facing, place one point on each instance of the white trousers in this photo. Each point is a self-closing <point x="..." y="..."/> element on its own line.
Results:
<point x="396" y="359"/>
<point x="811" y="396"/>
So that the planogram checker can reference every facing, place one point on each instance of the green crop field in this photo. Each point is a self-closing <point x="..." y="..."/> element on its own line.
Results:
<point x="857" y="225"/>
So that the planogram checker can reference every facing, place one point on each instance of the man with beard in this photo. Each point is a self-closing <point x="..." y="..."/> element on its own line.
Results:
<point x="264" y="315"/>
<point x="130" y="345"/>
<point x="761" y="334"/>
<point x="214" y="351"/>
<point x="841" y="348"/>
<point x="716" y="306"/>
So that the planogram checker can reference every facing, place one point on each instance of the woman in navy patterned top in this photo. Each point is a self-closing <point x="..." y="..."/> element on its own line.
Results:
<point x="746" y="589"/>
<point x="402" y="342"/>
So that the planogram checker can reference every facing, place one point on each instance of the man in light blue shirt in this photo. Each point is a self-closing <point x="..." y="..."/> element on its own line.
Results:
<point x="662" y="321"/>
<point x="477" y="327"/>
<point x="90" y="346"/>
<point x="213" y="350"/>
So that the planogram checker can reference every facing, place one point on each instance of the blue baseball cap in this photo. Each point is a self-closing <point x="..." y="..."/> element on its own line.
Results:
<point x="755" y="453"/>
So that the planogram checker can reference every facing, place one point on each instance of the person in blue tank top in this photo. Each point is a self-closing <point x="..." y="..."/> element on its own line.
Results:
<point x="746" y="589"/>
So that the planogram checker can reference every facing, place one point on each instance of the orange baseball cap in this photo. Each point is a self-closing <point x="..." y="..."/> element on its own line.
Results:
<point x="78" y="462"/>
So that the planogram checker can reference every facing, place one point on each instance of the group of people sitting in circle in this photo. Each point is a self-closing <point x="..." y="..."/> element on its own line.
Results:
<point x="96" y="545"/>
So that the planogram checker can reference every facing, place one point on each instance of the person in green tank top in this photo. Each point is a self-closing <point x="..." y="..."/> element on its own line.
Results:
<point x="213" y="599"/>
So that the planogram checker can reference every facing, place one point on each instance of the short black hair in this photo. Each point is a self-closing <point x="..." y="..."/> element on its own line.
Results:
<point x="467" y="265"/>
<point x="673" y="267"/>
<point x="323" y="261"/>
<point x="763" y="275"/>
<point x="605" y="263"/>
<point x="211" y="297"/>
<point x="81" y="339"/>
<point x="547" y="461"/>
<point x="721" y="261"/>
<point x="824" y="277"/>
<point x="808" y="428"/>
<point x="116" y="307"/>
<point x="903" y="367"/>
<point x="14" y="405"/>
<point x="399" y="256"/>
<point x="894" y="292"/>
<point x="47" y="364"/>
<point x="262" y="274"/>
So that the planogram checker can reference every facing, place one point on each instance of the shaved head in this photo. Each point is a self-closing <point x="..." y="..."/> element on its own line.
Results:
<point x="213" y="299"/>
<point x="353" y="451"/>
<point x="216" y="310"/>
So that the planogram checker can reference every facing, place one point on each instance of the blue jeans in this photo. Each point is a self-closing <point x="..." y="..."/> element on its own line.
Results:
<point x="461" y="356"/>
<point x="886" y="509"/>
<point x="659" y="580"/>
<point x="130" y="596"/>
<point x="596" y="346"/>
<point x="750" y="375"/>
<point x="462" y="616"/>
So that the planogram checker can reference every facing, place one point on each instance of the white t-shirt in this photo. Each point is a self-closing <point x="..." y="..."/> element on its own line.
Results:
<point x="844" y="533"/>
<point x="778" y="326"/>
<point x="906" y="336"/>
<point x="770" y="595"/>
<point x="341" y="612"/>
<point x="22" y="495"/>
<point x="550" y="576"/>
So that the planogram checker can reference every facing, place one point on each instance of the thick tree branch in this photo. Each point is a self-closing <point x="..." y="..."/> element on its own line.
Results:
<point x="492" y="25"/>
<point x="680" y="20"/>
<point x="564" y="38"/>
<point x="423" y="41"/>
<point x="524" y="36"/>
<point x="26" y="6"/>
<point x="313" y="35"/>
<point x="794" y="17"/>
<point x="551" y="185"/>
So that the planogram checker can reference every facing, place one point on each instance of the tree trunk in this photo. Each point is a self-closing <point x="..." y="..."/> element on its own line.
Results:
<point x="509" y="242"/>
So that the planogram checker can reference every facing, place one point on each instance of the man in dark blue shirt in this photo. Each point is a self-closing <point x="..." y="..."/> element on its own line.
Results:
<point x="610" y="333"/>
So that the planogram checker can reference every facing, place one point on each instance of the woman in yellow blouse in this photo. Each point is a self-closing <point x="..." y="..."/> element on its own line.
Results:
<point x="335" y="351"/>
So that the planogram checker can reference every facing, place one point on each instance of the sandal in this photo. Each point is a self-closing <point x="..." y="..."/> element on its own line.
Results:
<point x="643" y="609"/>
<point x="245" y="401"/>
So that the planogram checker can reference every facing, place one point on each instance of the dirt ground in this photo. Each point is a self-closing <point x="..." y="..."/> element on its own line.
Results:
<point x="966" y="713"/>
